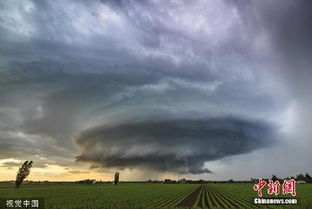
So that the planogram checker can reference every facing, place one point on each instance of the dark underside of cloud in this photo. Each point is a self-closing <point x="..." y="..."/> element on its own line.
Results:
<point x="180" y="146"/>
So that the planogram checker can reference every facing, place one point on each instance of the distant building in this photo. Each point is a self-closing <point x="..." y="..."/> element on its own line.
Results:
<point x="301" y="182"/>
<point x="86" y="181"/>
<point x="182" y="181"/>
<point x="169" y="181"/>
<point x="153" y="181"/>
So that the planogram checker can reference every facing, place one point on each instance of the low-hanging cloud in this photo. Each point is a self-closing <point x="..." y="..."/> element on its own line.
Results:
<point x="180" y="146"/>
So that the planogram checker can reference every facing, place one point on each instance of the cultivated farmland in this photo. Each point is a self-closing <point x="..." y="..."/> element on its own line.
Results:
<point x="207" y="196"/>
<point x="105" y="196"/>
<point x="240" y="196"/>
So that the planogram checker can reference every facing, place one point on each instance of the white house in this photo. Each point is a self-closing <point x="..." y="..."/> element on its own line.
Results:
<point x="301" y="182"/>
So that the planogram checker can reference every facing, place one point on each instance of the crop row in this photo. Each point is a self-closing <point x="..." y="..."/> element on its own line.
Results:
<point x="208" y="197"/>
<point x="170" y="201"/>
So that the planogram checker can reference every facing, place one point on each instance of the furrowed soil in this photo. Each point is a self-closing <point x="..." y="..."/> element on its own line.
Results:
<point x="240" y="196"/>
<point x="190" y="200"/>
<point x="205" y="196"/>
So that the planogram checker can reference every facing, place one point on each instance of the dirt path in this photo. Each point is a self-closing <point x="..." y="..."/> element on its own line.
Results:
<point x="190" y="200"/>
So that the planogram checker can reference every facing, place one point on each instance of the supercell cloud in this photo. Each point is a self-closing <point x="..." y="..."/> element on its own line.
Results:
<point x="158" y="85"/>
<point x="172" y="145"/>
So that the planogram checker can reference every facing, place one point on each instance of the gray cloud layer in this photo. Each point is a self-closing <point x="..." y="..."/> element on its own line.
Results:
<point x="172" y="145"/>
<point x="77" y="68"/>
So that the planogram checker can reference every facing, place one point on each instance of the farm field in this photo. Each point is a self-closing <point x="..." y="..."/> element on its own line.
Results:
<point x="76" y="196"/>
<point x="240" y="196"/>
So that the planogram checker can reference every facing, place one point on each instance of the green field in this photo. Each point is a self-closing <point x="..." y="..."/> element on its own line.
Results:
<point x="77" y="196"/>
<point x="242" y="196"/>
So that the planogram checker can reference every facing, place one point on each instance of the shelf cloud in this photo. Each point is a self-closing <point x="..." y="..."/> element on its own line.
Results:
<point x="180" y="146"/>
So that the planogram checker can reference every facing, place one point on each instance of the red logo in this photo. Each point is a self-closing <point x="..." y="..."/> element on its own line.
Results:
<point x="258" y="187"/>
<point x="289" y="187"/>
<point x="274" y="187"/>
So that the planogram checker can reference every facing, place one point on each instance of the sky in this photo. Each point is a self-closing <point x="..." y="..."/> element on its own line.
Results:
<point x="199" y="89"/>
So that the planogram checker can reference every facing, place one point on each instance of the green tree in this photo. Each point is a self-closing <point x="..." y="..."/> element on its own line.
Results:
<point x="308" y="178"/>
<point x="274" y="178"/>
<point x="116" y="180"/>
<point x="301" y="177"/>
<point x="22" y="173"/>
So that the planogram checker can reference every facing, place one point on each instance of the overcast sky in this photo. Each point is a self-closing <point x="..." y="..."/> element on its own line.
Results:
<point x="212" y="89"/>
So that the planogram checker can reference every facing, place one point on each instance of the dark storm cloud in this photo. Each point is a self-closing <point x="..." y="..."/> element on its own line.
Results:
<point x="288" y="28"/>
<point x="17" y="144"/>
<point x="284" y="31"/>
<point x="66" y="66"/>
<point x="173" y="145"/>
<point x="291" y="32"/>
<point x="108" y="94"/>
